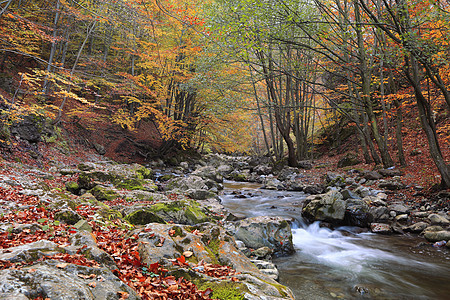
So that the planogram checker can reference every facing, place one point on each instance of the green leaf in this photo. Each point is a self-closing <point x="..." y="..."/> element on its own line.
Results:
<point x="42" y="220"/>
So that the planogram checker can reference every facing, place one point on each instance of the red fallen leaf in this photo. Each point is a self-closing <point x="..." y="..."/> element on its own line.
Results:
<point x="171" y="282"/>
<point x="234" y="279"/>
<point x="31" y="270"/>
<point x="161" y="241"/>
<point x="181" y="259"/>
<point x="123" y="295"/>
<point x="62" y="265"/>
<point x="171" y="232"/>
<point x="153" y="267"/>
<point x="173" y="287"/>
<point x="92" y="284"/>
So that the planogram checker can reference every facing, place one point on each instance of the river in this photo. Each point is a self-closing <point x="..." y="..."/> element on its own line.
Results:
<point x="345" y="263"/>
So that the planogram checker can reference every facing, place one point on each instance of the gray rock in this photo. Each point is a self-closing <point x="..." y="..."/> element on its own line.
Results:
<point x="83" y="225"/>
<point x="85" y="244"/>
<point x="305" y="164"/>
<point x="272" y="232"/>
<point x="287" y="173"/>
<point x="381" y="228"/>
<point x="391" y="185"/>
<point x="329" y="207"/>
<point x="271" y="183"/>
<point x="357" y="213"/>
<point x="401" y="218"/>
<point x="399" y="208"/>
<point x="263" y="170"/>
<point x="313" y="189"/>
<point x="30" y="252"/>
<point x="349" y="159"/>
<point x="436" y="219"/>
<point x="436" y="236"/>
<point x="362" y="191"/>
<point x="347" y="194"/>
<point x="46" y="279"/>
<point x="372" y="175"/>
<point x="390" y="172"/>
<point x="417" y="227"/>
<point x="208" y="172"/>
<point x="99" y="148"/>
<point x="67" y="216"/>
<point x="262" y="253"/>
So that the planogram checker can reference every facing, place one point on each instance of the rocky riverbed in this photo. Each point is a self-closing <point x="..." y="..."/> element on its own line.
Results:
<point x="172" y="220"/>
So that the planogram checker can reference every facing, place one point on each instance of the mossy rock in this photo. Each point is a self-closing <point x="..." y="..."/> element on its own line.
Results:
<point x="224" y="290"/>
<point x="143" y="217"/>
<point x="145" y="172"/>
<point x="166" y="177"/>
<point x="130" y="184"/>
<point x="67" y="216"/>
<point x="103" y="194"/>
<point x="73" y="187"/>
<point x="182" y="212"/>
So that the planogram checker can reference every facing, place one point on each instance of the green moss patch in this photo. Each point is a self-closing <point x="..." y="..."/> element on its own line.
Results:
<point x="224" y="290"/>
<point x="103" y="194"/>
<point x="143" y="217"/>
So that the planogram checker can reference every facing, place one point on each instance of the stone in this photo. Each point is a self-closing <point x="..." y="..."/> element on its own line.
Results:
<point x="103" y="193"/>
<point x="84" y="243"/>
<point x="401" y="218"/>
<point x="263" y="170"/>
<point x="436" y="219"/>
<point x="272" y="232"/>
<point x="399" y="208"/>
<point x="305" y="164"/>
<point x="357" y="213"/>
<point x="390" y="172"/>
<point x="72" y="187"/>
<point x="67" y="216"/>
<point x="208" y="172"/>
<point x="313" y="189"/>
<point x="99" y="148"/>
<point x="362" y="191"/>
<point x="436" y="236"/>
<point x="333" y="179"/>
<point x="287" y="173"/>
<point x="262" y="253"/>
<point x="381" y="228"/>
<point x="46" y="280"/>
<point x="30" y="252"/>
<point x="350" y="159"/>
<point x="347" y="194"/>
<point x="272" y="183"/>
<point x="83" y="225"/>
<point x="372" y="175"/>
<point x="29" y="128"/>
<point x="392" y="185"/>
<point x="329" y="207"/>
<point x="417" y="227"/>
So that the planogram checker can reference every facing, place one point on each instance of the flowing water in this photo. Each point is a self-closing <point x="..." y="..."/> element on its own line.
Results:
<point x="345" y="263"/>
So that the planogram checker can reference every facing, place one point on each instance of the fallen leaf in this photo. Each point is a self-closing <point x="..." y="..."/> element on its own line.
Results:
<point x="62" y="265"/>
<point x="92" y="284"/>
<point x="31" y="270"/>
<point x="187" y="254"/>
<point x="123" y="295"/>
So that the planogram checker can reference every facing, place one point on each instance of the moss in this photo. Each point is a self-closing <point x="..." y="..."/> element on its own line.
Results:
<point x="143" y="217"/>
<point x="129" y="184"/>
<point x="279" y="287"/>
<point x="195" y="215"/>
<point x="73" y="187"/>
<point x="239" y="177"/>
<point x="214" y="245"/>
<point x="178" y="231"/>
<point x="145" y="173"/>
<point x="224" y="290"/>
<point x="103" y="194"/>
<point x="167" y="206"/>
<point x="166" y="177"/>
<point x="284" y="224"/>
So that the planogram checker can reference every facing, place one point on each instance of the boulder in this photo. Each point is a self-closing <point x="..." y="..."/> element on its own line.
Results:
<point x="30" y="252"/>
<point x="313" y="189"/>
<point x="194" y="186"/>
<point x="224" y="170"/>
<point x="305" y="164"/>
<point x="357" y="213"/>
<point x="417" y="227"/>
<point x="399" y="208"/>
<point x="272" y="183"/>
<point x="179" y="211"/>
<point x="205" y="244"/>
<point x="257" y="232"/>
<point x="263" y="170"/>
<point x="436" y="219"/>
<point x="392" y="185"/>
<point x="372" y="175"/>
<point x="380" y="214"/>
<point x="350" y="159"/>
<point x="329" y="207"/>
<point x="333" y="179"/>
<point x="84" y="243"/>
<point x="381" y="228"/>
<point x="46" y="280"/>
<point x="208" y="172"/>
<point x="390" y="172"/>
<point x="67" y="216"/>
<point x="437" y="236"/>
<point x="287" y="173"/>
